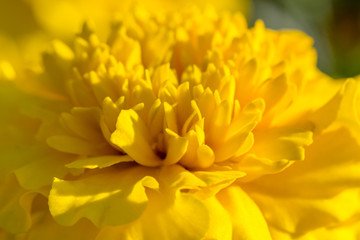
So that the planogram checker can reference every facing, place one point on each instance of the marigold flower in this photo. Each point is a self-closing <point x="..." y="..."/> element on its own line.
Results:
<point x="185" y="125"/>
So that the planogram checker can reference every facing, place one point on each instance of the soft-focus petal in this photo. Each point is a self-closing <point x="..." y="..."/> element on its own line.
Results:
<point x="349" y="229"/>
<point x="41" y="171"/>
<point x="99" y="162"/>
<point x="181" y="125"/>
<point x="314" y="185"/>
<point x="44" y="225"/>
<point x="15" y="206"/>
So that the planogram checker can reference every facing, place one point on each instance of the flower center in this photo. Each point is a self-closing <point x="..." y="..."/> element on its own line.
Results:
<point x="161" y="99"/>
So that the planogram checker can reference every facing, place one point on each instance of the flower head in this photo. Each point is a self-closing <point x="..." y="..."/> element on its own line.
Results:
<point x="184" y="126"/>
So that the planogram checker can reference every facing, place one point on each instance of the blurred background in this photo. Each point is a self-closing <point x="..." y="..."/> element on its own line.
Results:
<point x="333" y="24"/>
<point x="27" y="26"/>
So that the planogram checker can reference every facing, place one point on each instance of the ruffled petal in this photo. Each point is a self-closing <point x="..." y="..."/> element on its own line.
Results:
<point x="15" y="206"/>
<point x="349" y="230"/>
<point x="315" y="188"/>
<point x="40" y="169"/>
<point x="215" y="181"/>
<point x="297" y="215"/>
<point x="325" y="168"/>
<point x="184" y="217"/>
<point x="106" y="197"/>
<point x="44" y="226"/>
<point x="274" y="150"/>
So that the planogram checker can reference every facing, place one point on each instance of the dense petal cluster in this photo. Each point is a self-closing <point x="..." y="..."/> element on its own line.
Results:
<point x="186" y="125"/>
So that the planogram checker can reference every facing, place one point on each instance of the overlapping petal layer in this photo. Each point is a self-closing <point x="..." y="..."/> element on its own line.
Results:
<point x="182" y="126"/>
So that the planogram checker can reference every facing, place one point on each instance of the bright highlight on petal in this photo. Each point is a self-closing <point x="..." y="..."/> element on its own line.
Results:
<point x="131" y="135"/>
<point x="118" y="203"/>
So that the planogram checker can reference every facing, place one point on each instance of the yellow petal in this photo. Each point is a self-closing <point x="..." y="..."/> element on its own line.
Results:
<point x="69" y="144"/>
<point x="64" y="55"/>
<point x="324" y="172"/>
<point x="217" y="177"/>
<point x="233" y="144"/>
<point x="163" y="75"/>
<point x="349" y="229"/>
<point x="177" y="147"/>
<point x="216" y="181"/>
<point x="44" y="164"/>
<point x="273" y="90"/>
<point x="205" y="156"/>
<point x="323" y="187"/>
<point x="340" y="107"/>
<point x="100" y="88"/>
<point x="220" y="225"/>
<point x="176" y="177"/>
<point x="248" y="222"/>
<point x="204" y="184"/>
<point x="121" y="190"/>
<point x="170" y="118"/>
<point x="110" y="113"/>
<point x="15" y="206"/>
<point x="184" y="109"/>
<point x="292" y="213"/>
<point x="99" y="162"/>
<point x="125" y="49"/>
<point x="207" y="104"/>
<point x="273" y="150"/>
<point x="309" y="99"/>
<point x="17" y="130"/>
<point x="84" y="122"/>
<point x="131" y="135"/>
<point x="13" y="157"/>
<point x="44" y="226"/>
<point x="238" y="137"/>
<point x="7" y="71"/>
<point x="185" y="217"/>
